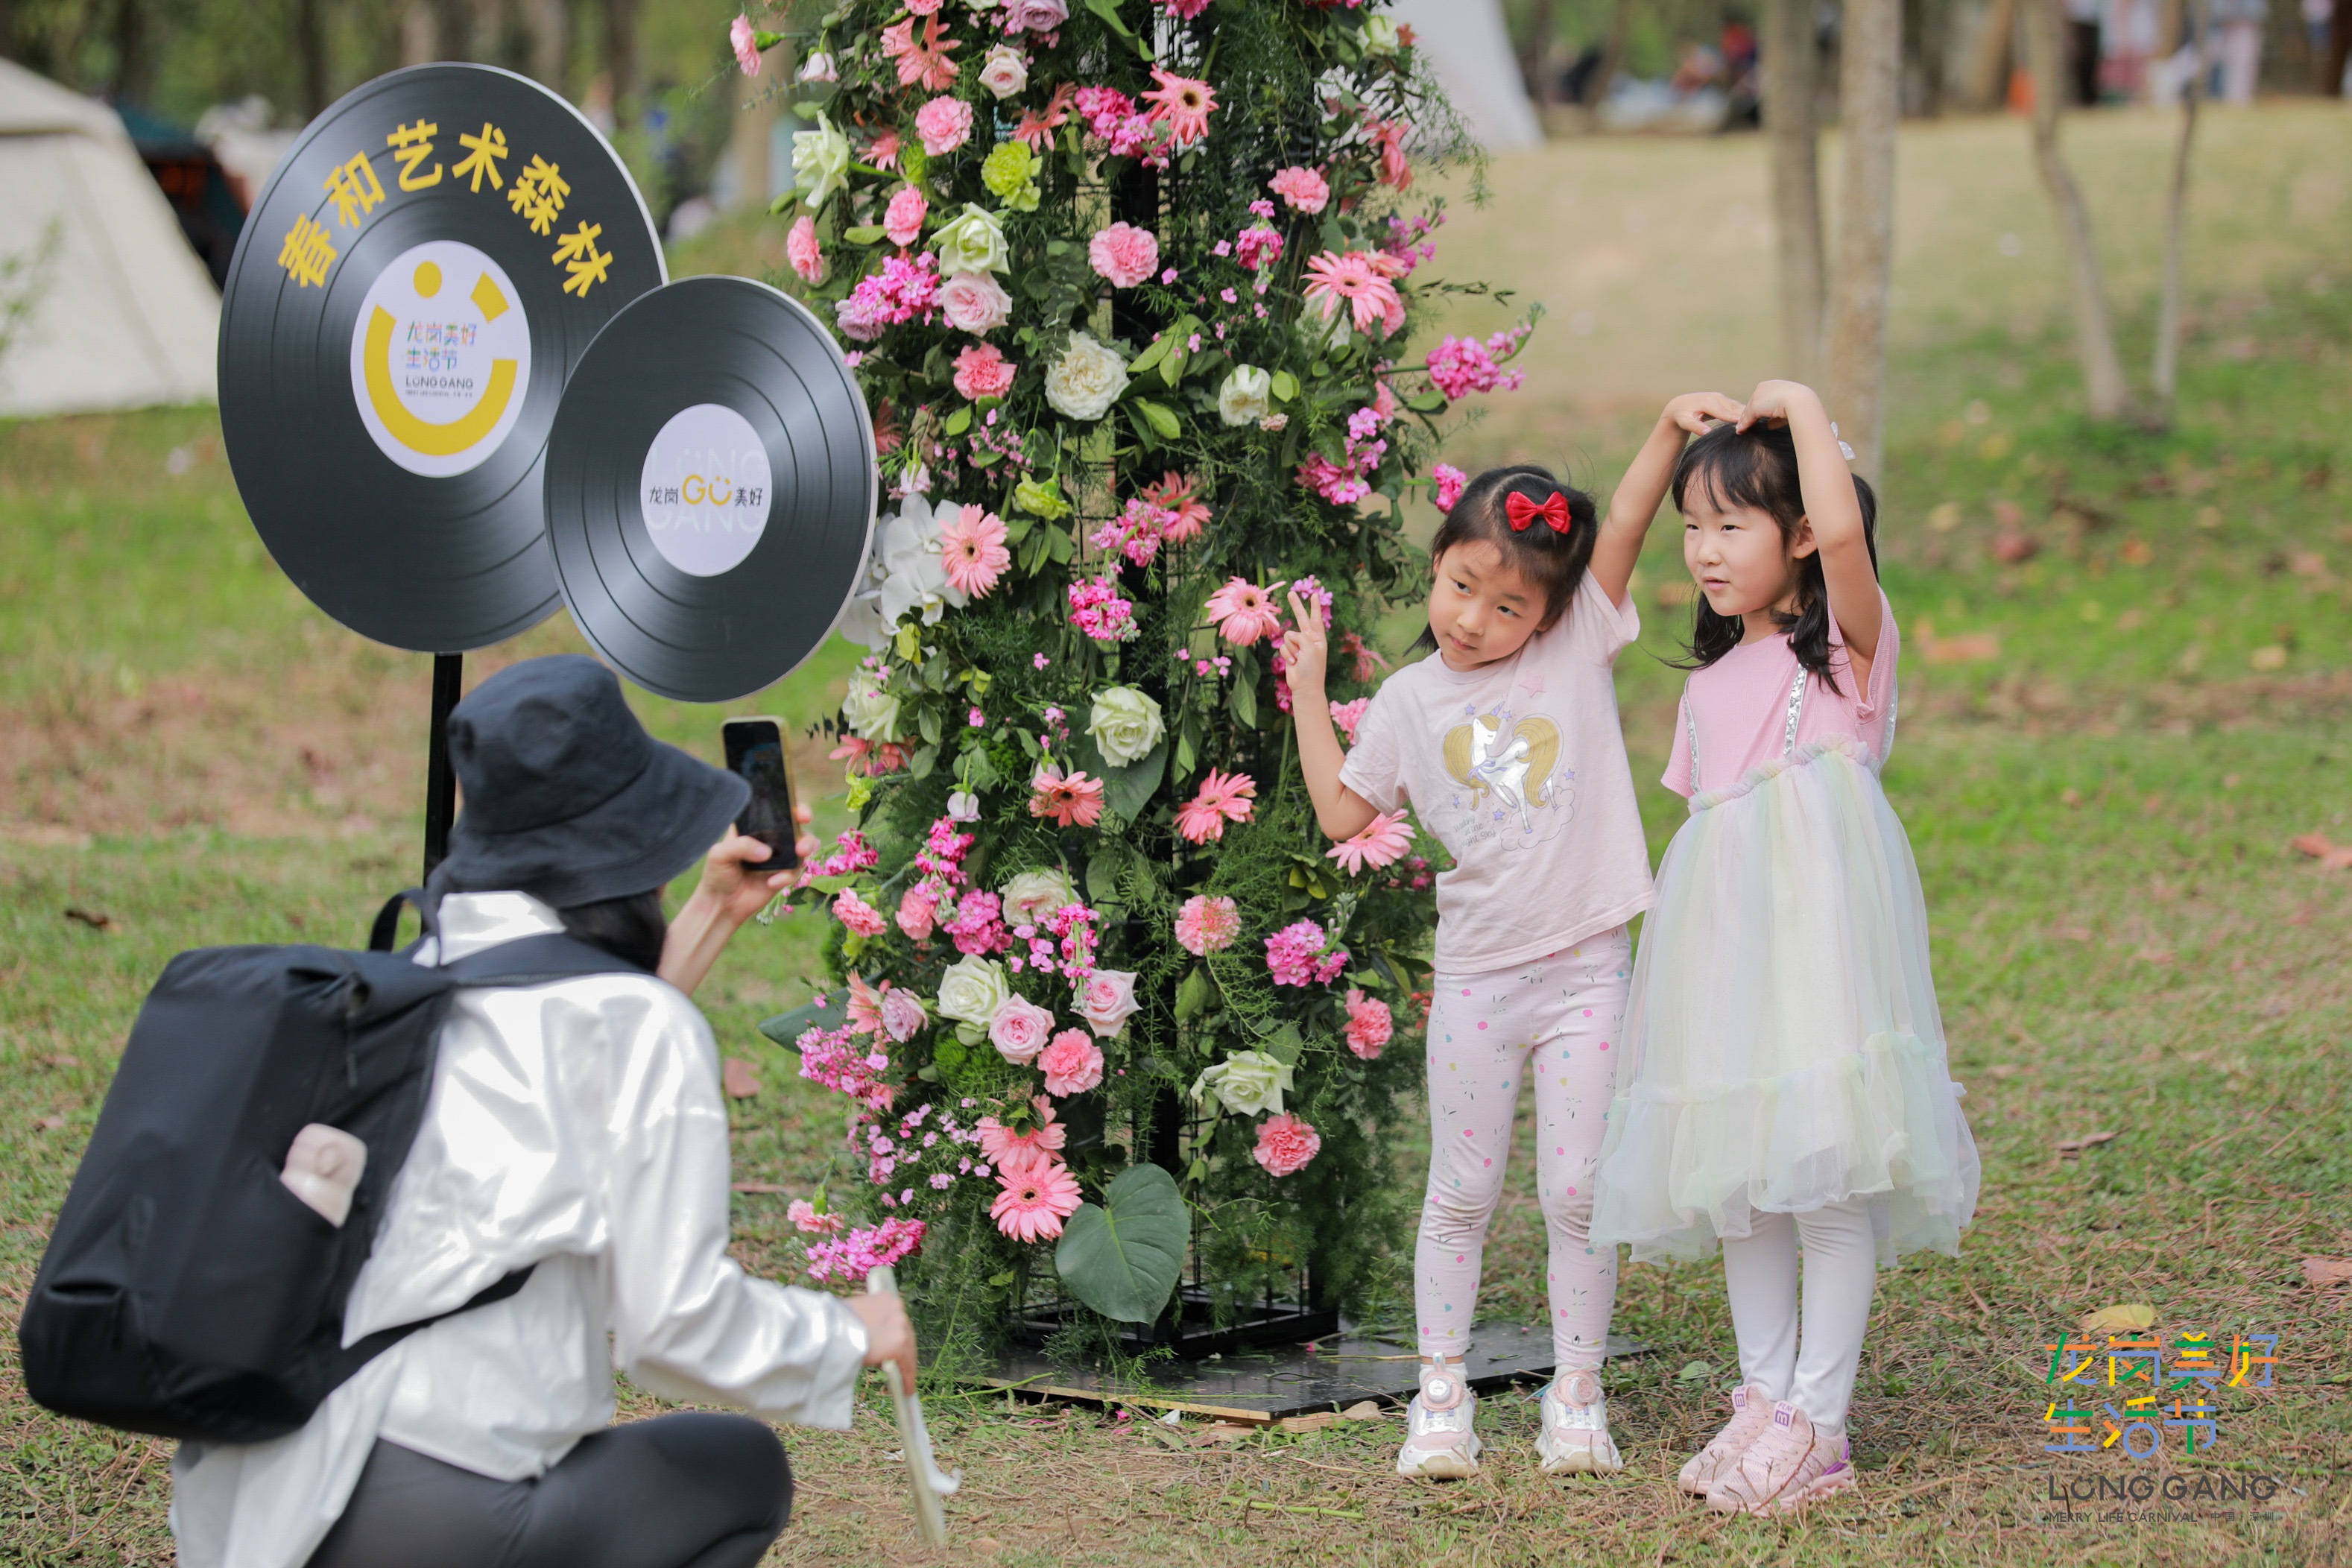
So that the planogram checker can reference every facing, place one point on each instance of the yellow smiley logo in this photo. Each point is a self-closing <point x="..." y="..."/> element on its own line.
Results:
<point x="422" y="436"/>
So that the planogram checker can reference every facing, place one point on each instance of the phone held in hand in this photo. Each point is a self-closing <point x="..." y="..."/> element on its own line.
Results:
<point x="755" y="749"/>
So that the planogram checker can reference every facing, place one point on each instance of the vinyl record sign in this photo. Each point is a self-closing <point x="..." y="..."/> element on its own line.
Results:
<point x="424" y="270"/>
<point x="710" y="489"/>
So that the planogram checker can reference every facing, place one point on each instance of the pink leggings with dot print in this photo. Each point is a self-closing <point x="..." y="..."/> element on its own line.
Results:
<point x="1557" y="1017"/>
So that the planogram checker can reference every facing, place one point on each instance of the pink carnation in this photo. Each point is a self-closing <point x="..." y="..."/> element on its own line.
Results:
<point x="802" y="250"/>
<point x="1447" y="485"/>
<point x="1124" y="254"/>
<point x="944" y="124"/>
<point x="1257" y="248"/>
<point x="982" y="371"/>
<point x="1285" y="1144"/>
<point x="1244" y="613"/>
<point x="918" y="911"/>
<point x="1020" y="1029"/>
<point x="857" y="914"/>
<point x="1305" y="190"/>
<point x="805" y="1219"/>
<point x="902" y="221"/>
<point x="975" y="302"/>
<point x="1369" y="1024"/>
<point x="1295" y="955"/>
<point x="973" y="550"/>
<point x="746" y="45"/>
<point x="1035" y="1202"/>
<point x="1460" y="366"/>
<point x="1205" y="925"/>
<point x="852" y="1257"/>
<point x="1072" y="1064"/>
<point x="1381" y="842"/>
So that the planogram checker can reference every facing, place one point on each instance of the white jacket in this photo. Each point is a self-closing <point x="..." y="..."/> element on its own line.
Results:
<point x="577" y="1126"/>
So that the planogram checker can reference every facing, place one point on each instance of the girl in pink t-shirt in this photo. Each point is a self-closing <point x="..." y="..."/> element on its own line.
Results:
<point x="1783" y="1077"/>
<point x="1505" y="743"/>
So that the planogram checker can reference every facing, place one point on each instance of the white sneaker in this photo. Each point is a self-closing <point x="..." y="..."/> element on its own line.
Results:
<point x="1786" y="1467"/>
<point x="1576" y="1429"/>
<point x="1751" y="1412"/>
<point x="1441" y="1425"/>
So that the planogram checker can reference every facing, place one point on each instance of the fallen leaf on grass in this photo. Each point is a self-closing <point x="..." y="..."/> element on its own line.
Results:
<point x="1365" y="1410"/>
<point x="97" y="919"/>
<point x="2014" y="549"/>
<point x="2070" y="797"/>
<point x="1314" y="1423"/>
<point x="2319" y="1273"/>
<point x="2137" y="552"/>
<point x="62" y="1061"/>
<point x="1164" y="1437"/>
<point x="1223" y="1432"/>
<point x="988" y="1544"/>
<point x="1694" y="1372"/>
<point x="2331" y="857"/>
<point x="2071" y="933"/>
<point x="741" y="1083"/>
<point x="50" y="1123"/>
<point x="1973" y="648"/>
<point x="2128" y="1318"/>
<point x="2153" y="955"/>
<point x="753" y="1187"/>
<point x="1944" y="517"/>
<point x="2088" y="1140"/>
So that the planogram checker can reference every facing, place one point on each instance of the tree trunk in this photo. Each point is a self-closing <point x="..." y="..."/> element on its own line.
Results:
<point x="1790" y="67"/>
<point x="1988" y="71"/>
<point x="2105" y="392"/>
<point x="2176" y="223"/>
<point x="453" y="30"/>
<point x="551" y="43"/>
<point x="1534" y="51"/>
<point x="1869" y="70"/>
<point x="132" y="67"/>
<point x="753" y="134"/>
<point x="311" y="44"/>
<point x="2338" y="50"/>
<point x="621" y="58"/>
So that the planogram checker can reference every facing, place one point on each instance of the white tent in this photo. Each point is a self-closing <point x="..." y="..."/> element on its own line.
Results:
<point x="124" y="314"/>
<point x="1469" y="50"/>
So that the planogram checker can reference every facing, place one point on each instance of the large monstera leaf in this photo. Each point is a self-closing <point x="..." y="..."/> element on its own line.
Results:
<point x="1123" y="1257"/>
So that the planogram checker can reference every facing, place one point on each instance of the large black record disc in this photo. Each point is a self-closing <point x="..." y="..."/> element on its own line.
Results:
<point x="710" y="488"/>
<point x="424" y="270"/>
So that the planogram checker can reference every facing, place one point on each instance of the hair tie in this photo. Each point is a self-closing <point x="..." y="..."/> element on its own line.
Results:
<point x="1522" y="511"/>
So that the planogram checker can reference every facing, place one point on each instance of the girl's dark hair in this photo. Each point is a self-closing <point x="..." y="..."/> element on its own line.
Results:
<point x="1553" y="560"/>
<point x="1758" y="467"/>
<point x="630" y="928"/>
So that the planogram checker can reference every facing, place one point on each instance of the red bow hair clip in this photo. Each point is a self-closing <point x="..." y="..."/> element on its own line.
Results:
<point x="1522" y="511"/>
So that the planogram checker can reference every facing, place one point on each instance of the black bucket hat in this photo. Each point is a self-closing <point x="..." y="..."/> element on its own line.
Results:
<point x="566" y="796"/>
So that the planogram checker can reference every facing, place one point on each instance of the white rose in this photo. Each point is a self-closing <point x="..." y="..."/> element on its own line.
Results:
<point x="971" y="241"/>
<point x="1125" y="725"/>
<point x="871" y="708"/>
<point x="1248" y="1082"/>
<point x="1087" y="380"/>
<point x="972" y="990"/>
<point x="819" y="66"/>
<point x="1380" y="36"/>
<point x="1004" y="72"/>
<point x="1032" y="895"/>
<point x="820" y="162"/>
<point x="975" y="302"/>
<point x="1247" y="395"/>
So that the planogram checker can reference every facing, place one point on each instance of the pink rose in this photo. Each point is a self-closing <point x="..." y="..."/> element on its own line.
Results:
<point x="1124" y="254"/>
<point x="975" y="302"/>
<point x="802" y="251"/>
<point x="903" y="221"/>
<point x="1073" y="1064"/>
<point x="944" y="124"/>
<point x="1305" y="190"/>
<point x="982" y="371"/>
<point x="1005" y="71"/>
<point x="902" y="1013"/>
<point x="1108" y="1001"/>
<point x="1020" y="1029"/>
<point x="1034" y="16"/>
<point x="857" y="914"/>
<point x="919" y="909"/>
<point x="1369" y="1024"/>
<point x="1285" y="1144"/>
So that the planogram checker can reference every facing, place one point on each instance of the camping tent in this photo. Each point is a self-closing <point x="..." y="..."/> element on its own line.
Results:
<point x="121" y="313"/>
<point x="1468" y="45"/>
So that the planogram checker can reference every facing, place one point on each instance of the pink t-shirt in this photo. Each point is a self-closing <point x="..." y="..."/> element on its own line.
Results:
<point x="1519" y="770"/>
<point x="1740" y="706"/>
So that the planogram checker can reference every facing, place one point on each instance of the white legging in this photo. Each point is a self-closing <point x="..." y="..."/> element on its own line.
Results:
<point x="1815" y="1373"/>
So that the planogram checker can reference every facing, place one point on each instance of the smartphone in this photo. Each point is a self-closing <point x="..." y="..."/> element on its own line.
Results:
<point x="755" y="749"/>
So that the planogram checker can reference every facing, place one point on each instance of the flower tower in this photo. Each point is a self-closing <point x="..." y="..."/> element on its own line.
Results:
<point x="1129" y="289"/>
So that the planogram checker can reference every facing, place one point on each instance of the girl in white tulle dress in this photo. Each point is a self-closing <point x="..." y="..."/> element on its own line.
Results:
<point x="1785" y="1079"/>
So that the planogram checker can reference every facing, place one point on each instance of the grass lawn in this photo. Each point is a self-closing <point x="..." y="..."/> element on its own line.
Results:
<point x="2106" y="747"/>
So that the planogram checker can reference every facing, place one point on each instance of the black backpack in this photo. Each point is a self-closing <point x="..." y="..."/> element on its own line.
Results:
<point x="186" y="1292"/>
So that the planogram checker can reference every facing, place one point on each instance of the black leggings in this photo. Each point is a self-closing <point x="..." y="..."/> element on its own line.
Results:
<point x="681" y="1491"/>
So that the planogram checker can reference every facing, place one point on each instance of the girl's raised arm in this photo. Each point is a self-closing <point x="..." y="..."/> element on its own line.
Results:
<point x="1832" y="512"/>
<point x="1644" y="486"/>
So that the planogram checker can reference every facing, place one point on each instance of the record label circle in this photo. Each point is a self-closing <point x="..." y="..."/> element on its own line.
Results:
<point x="440" y="358"/>
<point x="706" y="486"/>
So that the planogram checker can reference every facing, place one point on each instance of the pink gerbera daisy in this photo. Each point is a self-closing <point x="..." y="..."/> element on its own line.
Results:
<point x="1015" y="1151"/>
<point x="1244" y="613"/>
<point x="973" y="550"/>
<point x="1071" y="800"/>
<point x="1035" y="1202"/>
<point x="1224" y="797"/>
<point x="1183" y="103"/>
<point x="1037" y="126"/>
<point x="1176" y="493"/>
<point x="1382" y="841"/>
<point x="1353" y="278"/>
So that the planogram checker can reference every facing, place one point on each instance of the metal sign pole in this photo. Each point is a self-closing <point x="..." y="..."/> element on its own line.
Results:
<point x="440" y="779"/>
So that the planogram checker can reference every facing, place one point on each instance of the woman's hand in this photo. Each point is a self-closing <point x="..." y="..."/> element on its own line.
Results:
<point x="1772" y="401"/>
<point x="733" y="889"/>
<point x="1306" y="650"/>
<point x="1694" y="411"/>
<point x="889" y="1337"/>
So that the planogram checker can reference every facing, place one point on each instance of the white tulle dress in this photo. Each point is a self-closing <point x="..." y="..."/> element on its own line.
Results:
<point x="1783" y="1046"/>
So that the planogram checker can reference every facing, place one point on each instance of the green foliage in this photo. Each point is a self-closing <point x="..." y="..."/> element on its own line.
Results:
<point x="1122" y="1256"/>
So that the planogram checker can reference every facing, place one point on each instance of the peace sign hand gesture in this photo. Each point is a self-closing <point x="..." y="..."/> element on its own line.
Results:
<point x="1306" y="650"/>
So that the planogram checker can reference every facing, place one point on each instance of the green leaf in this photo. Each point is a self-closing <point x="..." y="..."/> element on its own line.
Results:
<point x="1430" y="402"/>
<point x="1060" y="545"/>
<point x="1154" y="354"/>
<point x="786" y="1027"/>
<point x="1185" y="753"/>
<point x="998" y="1281"/>
<point x="1286" y="386"/>
<point x="1144" y="431"/>
<point x="1108" y="11"/>
<point x="865" y="233"/>
<point x="1102" y="872"/>
<point x="1124" y="1256"/>
<point x="1244" y="702"/>
<point x="1283" y="1044"/>
<point x="1016" y="528"/>
<point x="1163" y="418"/>
<point x="1033" y="552"/>
<point x="921" y="763"/>
<point x="1195" y="995"/>
<point x="1129" y="790"/>
<point x="959" y="421"/>
<point x="926" y="723"/>
<point x="986" y="458"/>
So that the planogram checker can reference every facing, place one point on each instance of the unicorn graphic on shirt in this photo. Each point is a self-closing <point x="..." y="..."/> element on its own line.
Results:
<point x="1489" y="756"/>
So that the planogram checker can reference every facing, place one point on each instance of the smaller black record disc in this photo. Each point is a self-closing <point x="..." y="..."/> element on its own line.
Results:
<point x="710" y="488"/>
